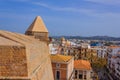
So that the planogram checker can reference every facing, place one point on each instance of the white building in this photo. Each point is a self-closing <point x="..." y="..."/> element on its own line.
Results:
<point x="53" y="48"/>
<point x="101" y="52"/>
<point x="85" y="45"/>
<point x="113" y="64"/>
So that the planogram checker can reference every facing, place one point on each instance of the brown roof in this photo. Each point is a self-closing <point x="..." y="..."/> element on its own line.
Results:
<point x="37" y="25"/>
<point x="113" y="47"/>
<point x="82" y="64"/>
<point x="60" y="58"/>
<point x="114" y="57"/>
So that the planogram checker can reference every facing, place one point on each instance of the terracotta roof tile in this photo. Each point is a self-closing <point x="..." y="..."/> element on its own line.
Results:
<point x="113" y="47"/>
<point x="82" y="64"/>
<point x="114" y="57"/>
<point x="60" y="58"/>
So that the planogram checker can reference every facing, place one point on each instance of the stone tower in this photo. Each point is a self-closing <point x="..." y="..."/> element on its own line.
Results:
<point x="38" y="29"/>
<point x="23" y="58"/>
<point x="63" y="41"/>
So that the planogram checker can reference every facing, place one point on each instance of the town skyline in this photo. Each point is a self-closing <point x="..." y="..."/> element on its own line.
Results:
<point x="81" y="18"/>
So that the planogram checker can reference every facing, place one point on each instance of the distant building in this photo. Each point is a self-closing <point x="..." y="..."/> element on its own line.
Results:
<point x="83" y="70"/>
<point x="62" y="67"/>
<point x="53" y="48"/>
<point x="85" y="45"/>
<point x="113" y="63"/>
<point x="96" y="44"/>
<point x="63" y="41"/>
<point x="101" y="52"/>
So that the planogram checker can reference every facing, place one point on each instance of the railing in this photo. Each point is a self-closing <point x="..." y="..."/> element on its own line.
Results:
<point x="113" y="76"/>
<point x="118" y="75"/>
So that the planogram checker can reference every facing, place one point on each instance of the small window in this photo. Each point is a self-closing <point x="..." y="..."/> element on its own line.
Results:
<point x="91" y="74"/>
<point x="80" y="76"/>
<point x="57" y="65"/>
<point x="58" y="75"/>
<point x="75" y="71"/>
<point x="75" y="74"/>
<point x="84" y="76"/>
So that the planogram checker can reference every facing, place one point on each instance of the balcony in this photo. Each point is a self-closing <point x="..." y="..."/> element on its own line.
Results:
<point x="118" y="75"/>
<point x="118" y="69"/>
<point x="113" y="76"/>
<point x="118" y="63"/>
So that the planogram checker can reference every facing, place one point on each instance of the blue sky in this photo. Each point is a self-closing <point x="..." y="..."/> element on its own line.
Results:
<point x="63" y="17"/>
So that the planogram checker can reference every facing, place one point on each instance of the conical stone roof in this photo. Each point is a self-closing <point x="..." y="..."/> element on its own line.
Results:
<point x="37" y="25"/>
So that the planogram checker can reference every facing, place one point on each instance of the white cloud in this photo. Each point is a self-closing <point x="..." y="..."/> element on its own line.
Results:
<point x="108" y="2"/>
<point x="66" y="9"/>
<point x="89" y="12"/>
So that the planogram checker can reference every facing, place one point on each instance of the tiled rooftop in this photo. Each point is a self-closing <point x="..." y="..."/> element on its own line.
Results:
<point x="60" y="58"/>
<point x="82" y="64"/>
<point x="113" y="47"/>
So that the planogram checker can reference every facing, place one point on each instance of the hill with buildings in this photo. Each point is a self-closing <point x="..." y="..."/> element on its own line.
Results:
<point x="107" y="38"/>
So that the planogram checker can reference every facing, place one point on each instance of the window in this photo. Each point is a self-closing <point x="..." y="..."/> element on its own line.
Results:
<point x="91" y="74"/>
<point x="75" y="74"/>
<point x="80" y="76"/>
<point x="57" y="75"/>
<point x="75" y="71"/>
<point x="84" y="76"/>
<point x="68" y="51"/>
<point x="57" y="65"/>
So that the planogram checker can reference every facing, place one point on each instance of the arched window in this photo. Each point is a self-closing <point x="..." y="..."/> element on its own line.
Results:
<point x="57" y="75"/>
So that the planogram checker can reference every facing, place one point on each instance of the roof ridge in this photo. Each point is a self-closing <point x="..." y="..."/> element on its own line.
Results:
<point x="37" y="25"/>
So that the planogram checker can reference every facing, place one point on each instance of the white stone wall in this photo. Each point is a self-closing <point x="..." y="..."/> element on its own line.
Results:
<point x="113" y="61"/>
<point x="101" y="52"/>
<point x="70" y="68"/>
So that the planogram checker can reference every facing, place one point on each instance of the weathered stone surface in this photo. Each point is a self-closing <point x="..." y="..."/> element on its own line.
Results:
<point x="38" y="30"/>
<point x="26" y="59"/>
<point x="13" y="61"/>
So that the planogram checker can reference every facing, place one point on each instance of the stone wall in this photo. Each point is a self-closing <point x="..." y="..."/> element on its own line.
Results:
<point x="29" y="61"/>
<point x="13" y="61"/>
<point x="70" y="68"/>
<point x="44" y="71"/>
